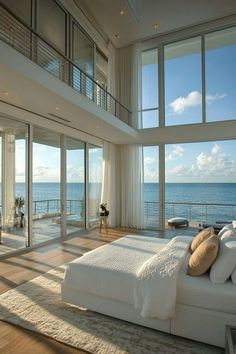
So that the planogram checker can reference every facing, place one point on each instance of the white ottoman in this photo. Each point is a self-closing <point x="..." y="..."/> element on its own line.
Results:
<point x="178" y="222"/>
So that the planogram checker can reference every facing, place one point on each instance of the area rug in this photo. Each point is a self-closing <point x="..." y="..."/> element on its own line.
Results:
<point x="37" y="306"/>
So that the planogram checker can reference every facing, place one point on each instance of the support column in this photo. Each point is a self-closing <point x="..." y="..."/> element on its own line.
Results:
<point x="8" y="179"/>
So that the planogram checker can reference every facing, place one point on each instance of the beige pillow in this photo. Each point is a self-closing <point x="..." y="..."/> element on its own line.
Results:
<point x="201" y="237"/>
<point x="204" y="256"/>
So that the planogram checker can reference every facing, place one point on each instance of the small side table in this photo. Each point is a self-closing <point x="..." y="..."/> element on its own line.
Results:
<point x="103" y="222"/>
<point x="230" y="339"/>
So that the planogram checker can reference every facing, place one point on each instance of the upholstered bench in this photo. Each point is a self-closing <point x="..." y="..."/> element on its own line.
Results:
<point x="178" y="222"/>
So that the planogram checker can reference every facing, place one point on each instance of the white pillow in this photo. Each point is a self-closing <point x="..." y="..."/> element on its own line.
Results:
<point x="234" y="224"/>
<point x="233" y="276"/>
<point x="228" y="234"/>
<point x="225" y="262"/>
<point x="225" y="228"/>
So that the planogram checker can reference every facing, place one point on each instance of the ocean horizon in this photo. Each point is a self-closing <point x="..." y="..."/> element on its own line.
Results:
<point x="204" y="193"/>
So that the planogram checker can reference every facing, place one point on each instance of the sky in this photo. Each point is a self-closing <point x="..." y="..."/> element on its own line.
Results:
<point x="46" y="164"/>
<point x="205" y="162"/>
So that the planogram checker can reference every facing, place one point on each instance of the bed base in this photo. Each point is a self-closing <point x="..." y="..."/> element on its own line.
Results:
<point x="203" y="325"/>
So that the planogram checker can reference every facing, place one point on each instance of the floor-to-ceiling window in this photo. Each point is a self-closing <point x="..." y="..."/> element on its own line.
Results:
<point x="201" y="181"/>
<point x="13" y="192"/>
<point x="46" y="185"/>
<point x="151" y="186"/>
<point x="94" y="183"/>
<point x="75" y="185"/>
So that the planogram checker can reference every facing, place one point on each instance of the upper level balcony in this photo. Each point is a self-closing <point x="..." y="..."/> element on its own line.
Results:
<point x="18" y="35"/>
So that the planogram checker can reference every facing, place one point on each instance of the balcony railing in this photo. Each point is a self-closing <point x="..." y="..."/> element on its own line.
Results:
<point x="193" y="211"/>
<point x="25" y="40"/>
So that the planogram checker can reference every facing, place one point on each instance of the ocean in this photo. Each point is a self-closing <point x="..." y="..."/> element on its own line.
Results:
<point x="211" y="193"/>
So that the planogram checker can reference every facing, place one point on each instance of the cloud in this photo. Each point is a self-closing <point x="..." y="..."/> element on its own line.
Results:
<point x="214" y="164"/>
<point x="150" y="169"/>
<point x="216" y="97"/>
<point x="193" y="99"/>
<point x="177" y="151"/>
<point x="178" y="170"/>
<point x="216" y="149"/>
<point x="181" y="103"/>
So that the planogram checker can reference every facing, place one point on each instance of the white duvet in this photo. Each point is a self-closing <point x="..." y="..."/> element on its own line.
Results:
<point x="127" y="271"/>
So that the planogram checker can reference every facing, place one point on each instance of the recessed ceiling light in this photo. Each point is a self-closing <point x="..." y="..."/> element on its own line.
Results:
<point x="117" y="36"/>
<point x="57" y="108"/>
<point x="122" y="12"/>
<point x="5" y="93"/>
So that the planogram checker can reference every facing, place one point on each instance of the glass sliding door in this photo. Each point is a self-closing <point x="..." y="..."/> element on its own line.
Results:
<point x="151" y="186"/>
<point x="14" y="205"/>
<point x="95" y="159"/>
<point x="46" y="185"/>
<point x="75" y="185"/>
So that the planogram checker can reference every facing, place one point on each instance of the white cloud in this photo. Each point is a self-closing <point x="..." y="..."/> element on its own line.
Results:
<point x="181" y="103"/>
<point x="216" y="97"/>
<point x="216" y="149"/>
<point x="177" y="151"/>
<point x="178" y="170"/>
<point x="150" y="169"/>
<point x="193" y="99"/>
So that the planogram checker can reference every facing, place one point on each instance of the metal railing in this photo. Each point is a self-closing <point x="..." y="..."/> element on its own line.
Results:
<point x="193" y="211"/>
<point x="32" y="45"/>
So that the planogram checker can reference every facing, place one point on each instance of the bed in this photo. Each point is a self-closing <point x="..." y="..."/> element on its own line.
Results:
<point x="125" y="279"/>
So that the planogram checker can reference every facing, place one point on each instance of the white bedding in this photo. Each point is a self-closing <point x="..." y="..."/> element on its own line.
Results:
<point x="110" y="271"/>
<point x="156" y="283"/>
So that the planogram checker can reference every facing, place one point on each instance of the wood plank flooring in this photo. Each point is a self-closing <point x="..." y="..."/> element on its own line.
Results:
<point x="24" y="267"/>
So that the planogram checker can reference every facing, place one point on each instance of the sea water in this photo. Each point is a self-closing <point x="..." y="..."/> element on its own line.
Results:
<point x="189" y="193"/>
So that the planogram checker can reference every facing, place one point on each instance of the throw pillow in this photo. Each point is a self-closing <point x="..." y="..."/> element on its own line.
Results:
<point x="225" y="262"/>
<point x="225" y="228"/>
<point x="203" y="257"/>
<point x="228" y="234"/>
<point x="201" y="237"/>
<point x="233" y="276"/>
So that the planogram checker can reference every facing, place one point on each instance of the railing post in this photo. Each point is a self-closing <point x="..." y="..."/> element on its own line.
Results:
<point x="206" y="212"/>
<point x="47" y="206"/>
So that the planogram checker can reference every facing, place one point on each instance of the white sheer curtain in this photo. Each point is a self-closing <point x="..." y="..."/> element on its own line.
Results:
<point x="110" y="183"/>
<point x="112" y="70"/>
<point x="132" y="204"/>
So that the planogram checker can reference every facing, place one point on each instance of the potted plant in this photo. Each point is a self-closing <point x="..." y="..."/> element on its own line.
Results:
<point x="104" y="211"/>
<point x="19" y="203"/>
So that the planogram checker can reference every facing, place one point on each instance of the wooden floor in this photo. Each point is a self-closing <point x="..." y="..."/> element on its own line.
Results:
<point x="24" y="267"/>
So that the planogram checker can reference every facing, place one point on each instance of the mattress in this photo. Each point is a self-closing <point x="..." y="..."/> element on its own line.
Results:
<point x="110" y="271"/>
<point x="201" y="292"/>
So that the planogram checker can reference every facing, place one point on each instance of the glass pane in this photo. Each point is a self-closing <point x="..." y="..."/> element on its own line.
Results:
<point x="82" y="51"/>
<point x="21" y="8"/>
<point x="95" y="183"/>
<point x="149" y="86"/>
<point x="150" y="118"/>
<point x="201" y="182"/>
<point x="46" y="185"/>
<point x="220" y="75"/>
<point x="75" y="185"/>
<point x="101" y="78"/>
<point x="14" y="205"/>
<point x="53" y="28"/>
<point x="151" y="186"/>
<point x="183" y="92"/>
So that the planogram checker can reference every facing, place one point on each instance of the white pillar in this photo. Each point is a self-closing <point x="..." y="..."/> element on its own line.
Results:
<point x="8" y="179"/>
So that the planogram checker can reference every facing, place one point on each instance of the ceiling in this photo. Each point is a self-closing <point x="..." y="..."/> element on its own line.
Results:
<point x="169" y="15"/>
